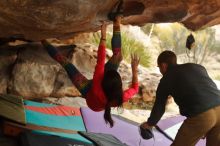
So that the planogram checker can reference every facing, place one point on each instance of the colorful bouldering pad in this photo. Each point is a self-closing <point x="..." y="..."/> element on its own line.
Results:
<point x="63" y="117"/>
<point x="125" y="131"/>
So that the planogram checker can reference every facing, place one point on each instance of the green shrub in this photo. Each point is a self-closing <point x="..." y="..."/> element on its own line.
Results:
<point x="129" y="46"/>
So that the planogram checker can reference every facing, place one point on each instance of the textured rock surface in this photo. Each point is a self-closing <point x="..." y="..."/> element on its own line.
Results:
<point x="40" y="19"/>
<point x="7" y="59"/>
<point x="29" y="71"/>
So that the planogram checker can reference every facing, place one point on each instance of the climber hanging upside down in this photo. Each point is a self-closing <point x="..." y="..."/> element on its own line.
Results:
<point x="105" y="89"/>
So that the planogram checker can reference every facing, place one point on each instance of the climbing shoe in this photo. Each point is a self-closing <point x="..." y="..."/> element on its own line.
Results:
<point x="117" y="11"/>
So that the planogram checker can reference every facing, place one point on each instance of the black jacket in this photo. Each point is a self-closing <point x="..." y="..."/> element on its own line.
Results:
<point x="190" y="86"/>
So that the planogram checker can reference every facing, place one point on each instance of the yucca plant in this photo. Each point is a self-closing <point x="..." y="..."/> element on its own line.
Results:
<point x="129" y="46"/>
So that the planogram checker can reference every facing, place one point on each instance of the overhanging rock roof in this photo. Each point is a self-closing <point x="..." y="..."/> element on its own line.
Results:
<point x="41" y="19"/>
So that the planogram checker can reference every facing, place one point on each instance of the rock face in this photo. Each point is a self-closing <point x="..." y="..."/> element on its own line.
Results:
<point x="40" y="19"/>
<point x="28" y="70"/>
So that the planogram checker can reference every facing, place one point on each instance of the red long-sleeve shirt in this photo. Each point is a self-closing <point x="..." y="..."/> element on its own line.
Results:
<point x="95" y="98"/>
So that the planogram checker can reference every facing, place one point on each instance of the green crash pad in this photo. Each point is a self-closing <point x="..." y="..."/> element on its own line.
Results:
<point x="12" y="108"/>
